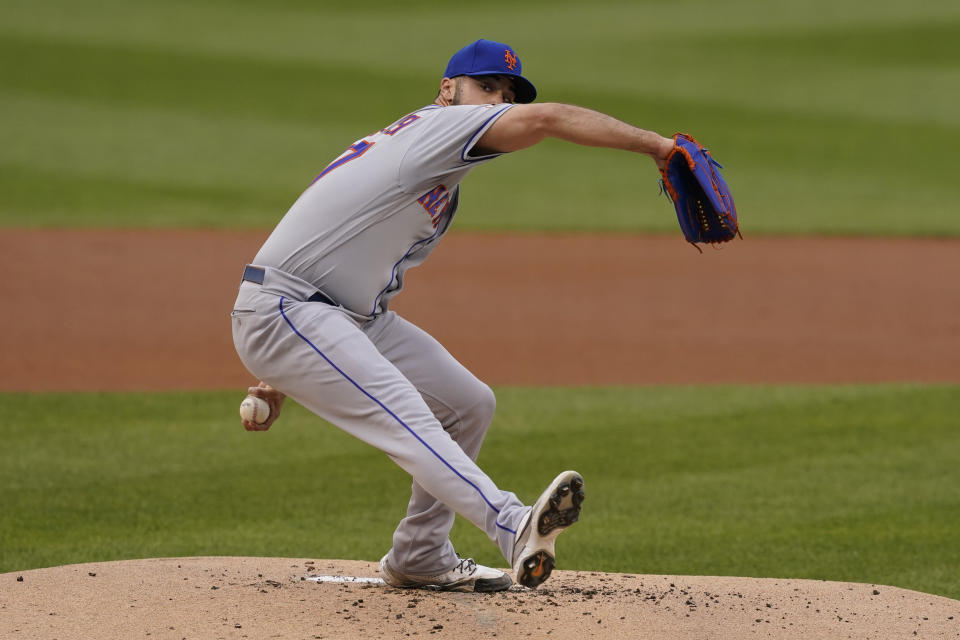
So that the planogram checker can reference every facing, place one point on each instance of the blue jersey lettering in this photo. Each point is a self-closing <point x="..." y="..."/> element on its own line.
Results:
<point x="435" y="202"/>
<point x="355" y="151"/>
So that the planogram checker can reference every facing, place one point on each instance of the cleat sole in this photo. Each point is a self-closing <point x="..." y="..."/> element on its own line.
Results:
<point x="555" y="510"/>
<point x="564" y="507"/>
<point x="536" y="569"/>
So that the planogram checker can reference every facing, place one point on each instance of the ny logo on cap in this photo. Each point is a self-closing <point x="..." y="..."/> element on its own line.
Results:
<point x="510" y="59"/>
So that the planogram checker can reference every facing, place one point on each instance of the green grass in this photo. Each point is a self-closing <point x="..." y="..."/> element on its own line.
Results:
<point x="852" y="483"/>
<point x="831" y="116"/>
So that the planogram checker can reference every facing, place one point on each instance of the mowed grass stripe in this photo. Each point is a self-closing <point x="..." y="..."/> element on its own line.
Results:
<point x="295" y="29"/>
<point x="813" y="109"/>
<point x="843" y="483"/>
<point x="828" y="70"/>
<point x="126" y="75"/>
<point x="121" y="161"/>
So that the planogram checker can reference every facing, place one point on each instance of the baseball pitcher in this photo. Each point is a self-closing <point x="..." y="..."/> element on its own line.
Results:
<point x="312" y="318"/>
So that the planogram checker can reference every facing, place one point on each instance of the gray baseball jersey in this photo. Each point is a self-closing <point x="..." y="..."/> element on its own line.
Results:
<point x="374" y="212"/>
<point x="381" y="207"/>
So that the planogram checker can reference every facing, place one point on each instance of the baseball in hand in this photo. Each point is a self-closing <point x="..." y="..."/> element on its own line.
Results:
<point x="254" y="409"/>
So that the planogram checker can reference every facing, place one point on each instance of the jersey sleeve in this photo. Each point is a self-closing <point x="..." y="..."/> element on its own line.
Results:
<point x="444" y="142"/>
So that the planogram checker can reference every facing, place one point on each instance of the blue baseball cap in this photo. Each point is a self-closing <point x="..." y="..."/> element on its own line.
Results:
<point x="489" y="58"/>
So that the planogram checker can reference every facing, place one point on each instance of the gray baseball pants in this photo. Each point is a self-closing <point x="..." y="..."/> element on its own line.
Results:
<point x="390" y="384"/>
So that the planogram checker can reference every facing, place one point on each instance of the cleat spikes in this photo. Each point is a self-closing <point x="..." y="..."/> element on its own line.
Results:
<point x="557" y="508"/>
<point x="538" y="569"/>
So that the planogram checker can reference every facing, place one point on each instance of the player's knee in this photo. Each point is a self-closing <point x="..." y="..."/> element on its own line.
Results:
<point x="484" y="407"/>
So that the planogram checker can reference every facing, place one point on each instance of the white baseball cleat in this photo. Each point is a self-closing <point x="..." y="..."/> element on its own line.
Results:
<point x="466" y="576"/>
<point x="557" y="508"/>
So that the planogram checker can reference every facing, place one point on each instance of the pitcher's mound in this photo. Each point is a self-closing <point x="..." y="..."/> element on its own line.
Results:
<point x="205" y="598"/>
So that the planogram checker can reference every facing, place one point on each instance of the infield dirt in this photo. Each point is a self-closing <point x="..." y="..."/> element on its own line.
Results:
<point x="127" y="310"/>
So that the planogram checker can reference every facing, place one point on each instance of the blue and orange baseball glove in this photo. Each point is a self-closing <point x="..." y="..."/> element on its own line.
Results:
<point x="704" y="204"/>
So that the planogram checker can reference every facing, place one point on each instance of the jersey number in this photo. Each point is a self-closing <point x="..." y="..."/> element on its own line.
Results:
<point x="359" y="148"/>
<point x="356" y="150"/>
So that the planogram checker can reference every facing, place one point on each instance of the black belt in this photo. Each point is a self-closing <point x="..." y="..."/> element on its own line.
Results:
<point x="255" y="275"/>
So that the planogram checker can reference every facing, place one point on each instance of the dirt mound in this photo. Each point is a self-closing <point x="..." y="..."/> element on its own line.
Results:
<point x="203" y="598"/>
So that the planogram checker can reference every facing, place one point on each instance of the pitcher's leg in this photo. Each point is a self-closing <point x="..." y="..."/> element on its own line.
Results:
<point x="464" y="406"/>
<point x="323" y="361"/>
<point x="421" y="542"/>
